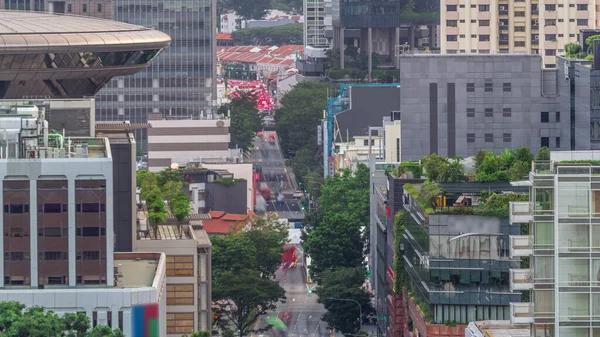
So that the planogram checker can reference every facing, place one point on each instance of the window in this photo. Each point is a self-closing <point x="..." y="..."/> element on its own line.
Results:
<point x="52" y="208"/>
<point x="398" y="149"/>
<point x="57" y="280"/>
<point x="489" y="137"/>
<point x="90" y="208"/>
<point x="484" y="23"/>
<point x="545" y="117"/>
<point x="180" y="294"/>
<point x="366" y="142"/>
<point x="582" y="7"/>
<point x="470" y="87"/>
<point x="16" y="208"/>
<point x="470" y="138"/>
<point x="84" y="8"/>
<point x="489" y="112"/>
<point x="557" y="142"/>
<point x="545" y="142"/>
<point x="550" y="22"/>
<point x="18" y="232"/>
<point x="488" y="87"/>
<point x="180" y="265"/>
<point x="519" y="28"/>
<point x="53" y="256"/>
<point x="506" y="137"/>
<point x="484" y="37"/>
<point x="470" y="112"/>
<point x="557" y="116"/>
<point x="550" y="7"/>
<point x="88" y="255"/>
<point x="507" y="112"/>
<point x="99" y="7"/>
<point x="582" y="22"/>
<point x="484" y="8"/>
<point x="16" y="256"/>
<point x="550" y="52"/>
<point x="451" y="38"/>
<point x="53" y="232"/>
<point x="506" y="87"/>
<point x="550" y="37"/>
<point x="520" y="14"/>
<point x="69" y="8"/>
<point x="90" y="231"/>
<point x="181" y="322"/>
<point x="519" y="43"/>
<point x="451" y="23"/>
<point x="450" y="8"/>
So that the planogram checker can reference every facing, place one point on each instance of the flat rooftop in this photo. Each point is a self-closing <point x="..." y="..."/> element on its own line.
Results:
<point x="136" y="273"/>
<point x="501" y="329"/>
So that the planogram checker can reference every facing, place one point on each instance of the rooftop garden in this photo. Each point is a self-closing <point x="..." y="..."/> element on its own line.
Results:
<point x="575" y="51"/>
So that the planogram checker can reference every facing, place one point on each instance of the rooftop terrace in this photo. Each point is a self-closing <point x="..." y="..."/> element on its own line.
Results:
<point x="135" y="273"/>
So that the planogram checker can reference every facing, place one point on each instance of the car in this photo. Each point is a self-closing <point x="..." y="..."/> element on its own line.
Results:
<point x="298" y="194"/>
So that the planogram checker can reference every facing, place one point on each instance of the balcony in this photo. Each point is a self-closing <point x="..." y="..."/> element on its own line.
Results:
<point x="311" y="67"/>
<point x="503" y="12"/>
<point x="521" y="279"/>
<point x="535" y="26"/>
<point x="520" y="212"/>
<point x="520" y="245"/>
<point x="521" y="313"/>
<point x="535" y="11"/>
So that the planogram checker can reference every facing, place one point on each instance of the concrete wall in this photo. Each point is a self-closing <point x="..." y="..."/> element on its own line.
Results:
<point x="439" y="114"/>
<point x="124" y="195"/>
<point x="230" y="199"/>
<point x="243" y="171"/>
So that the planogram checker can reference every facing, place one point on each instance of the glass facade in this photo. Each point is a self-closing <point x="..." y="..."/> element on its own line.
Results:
<point x="462" y="276"/>
<point x="566" y="251"/>
<point x="370" y="13"/>
<point x="181" y="82"/>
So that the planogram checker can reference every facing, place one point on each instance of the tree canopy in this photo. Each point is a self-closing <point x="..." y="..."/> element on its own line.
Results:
<point x="243" y="265"/>
<point x="248" y="10"/>
<point x="245" y="120"/>
<point x="341" y="292"/>
<point x="18" y="321"/>
<point x="269" y="36"/>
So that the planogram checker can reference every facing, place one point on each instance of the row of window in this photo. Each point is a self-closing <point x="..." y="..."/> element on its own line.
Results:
<point x="504" y="24"/>
<point x="504" y="38"/>
<point x="507" y="138"/>
<point x="56" y="232"/>
<point x="489" y="87"/>
<point x="86" y="207"/>
<point x="84" y="8"/>
<point x="489" y="112"/>
<point x="504" y="8"/>
<point x="16" y="280"/>
<point x="80" y="255"/>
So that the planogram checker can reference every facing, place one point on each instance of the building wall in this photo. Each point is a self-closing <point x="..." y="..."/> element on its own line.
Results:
<point x="489" y="102"/>
<point x="181" y="141"/>
<point x="96" y="8"/>
<point x="500" y="26"/>
<point x="230" y="199"/>
<point x="76" y="245"/>
<point x="181" y="82"/>
<point x="393" y="141"/>
<point x="243" y="171"/>
<point x="188" y="283"/>
<point x="124" y="166"/>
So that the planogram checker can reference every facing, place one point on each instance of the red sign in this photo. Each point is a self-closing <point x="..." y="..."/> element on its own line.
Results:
<point x="391" y="273"/>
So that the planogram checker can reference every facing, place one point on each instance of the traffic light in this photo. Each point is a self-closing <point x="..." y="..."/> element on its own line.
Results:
<point x="310" y="291"/>
<point x="303" y="208"/>
<point x="217" y="317"/>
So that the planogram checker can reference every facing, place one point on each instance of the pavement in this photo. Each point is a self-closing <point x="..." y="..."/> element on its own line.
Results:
<point x="268" y="159"/>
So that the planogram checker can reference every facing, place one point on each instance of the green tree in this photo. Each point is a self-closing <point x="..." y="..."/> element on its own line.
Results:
<point x="429" y="192"/>
<point x="336" y="242"/>
<point x="543" y="154"/>
<point x="338" y="289"/>
<point x="454" y="172"/>
<point x="435" y="166"/>
<point x="245" y="120"/>
<point x="347" y="193"/>
<point x="76" y="324"/>
<point x="572" y="49"/>
<point x="104" y="331"/>
<point x="589" y="42"/>
<point x="238" y="296"/>
<point x="290" y="34"/>
<point x="297" y="121"/>
<point x="250" y="10"/>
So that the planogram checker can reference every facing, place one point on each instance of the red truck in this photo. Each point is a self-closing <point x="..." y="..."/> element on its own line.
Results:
<point x="265" y="191"/>
<point x="271" y="139"/>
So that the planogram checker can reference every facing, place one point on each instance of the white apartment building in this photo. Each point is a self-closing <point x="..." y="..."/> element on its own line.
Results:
<point x="563" y="245"/>
<point x="318" y="20"/>
<point x="515" y="26"/>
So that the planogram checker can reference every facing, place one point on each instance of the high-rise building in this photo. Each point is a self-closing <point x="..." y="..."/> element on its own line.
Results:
<point x="182" y="82"/>
<point x="563" y="245"/>
<point x="525" y="27"/>
<point x="318" y="25"/>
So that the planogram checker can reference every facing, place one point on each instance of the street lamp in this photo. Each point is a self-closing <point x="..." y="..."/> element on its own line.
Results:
<point x="349" y="300"/>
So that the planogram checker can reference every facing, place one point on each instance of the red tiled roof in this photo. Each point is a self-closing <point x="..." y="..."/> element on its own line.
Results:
<point x="216" y="214"/>
<point x="217" y="226"/>
<point x="259" y="54"/>
<point x="234" y="217"/>
<point x="224" y="36"/>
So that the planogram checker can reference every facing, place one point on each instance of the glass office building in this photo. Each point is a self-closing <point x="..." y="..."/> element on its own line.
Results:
<point x="181" y="82"/>
<point x="564" y="245"/>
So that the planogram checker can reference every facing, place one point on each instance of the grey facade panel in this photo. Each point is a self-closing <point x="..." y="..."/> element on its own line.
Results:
<point x="433" y="118"/>
<point x="159" y="162"/>
<point x="363" y="113"/>
<point x="123" y="177"/>
<point x="230" y="199"/>
<point x="196" y="131"/>
<point x="451" y="120"/>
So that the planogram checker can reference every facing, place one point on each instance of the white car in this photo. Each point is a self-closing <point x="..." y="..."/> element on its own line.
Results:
<point x="298" y="194"/>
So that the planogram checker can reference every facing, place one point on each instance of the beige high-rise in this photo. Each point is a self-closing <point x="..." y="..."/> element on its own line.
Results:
<point x="515" y="26"/>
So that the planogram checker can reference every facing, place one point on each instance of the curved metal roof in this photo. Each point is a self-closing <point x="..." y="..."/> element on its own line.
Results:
<point x="29" y="32"/>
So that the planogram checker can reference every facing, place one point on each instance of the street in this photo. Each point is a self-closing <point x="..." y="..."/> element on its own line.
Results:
<point x="268" y="160"/>
<point x="301" y="312"/>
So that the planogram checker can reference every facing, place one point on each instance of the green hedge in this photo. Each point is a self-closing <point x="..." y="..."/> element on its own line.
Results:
<point x="422" y="18"/>
<point x="593" y="162"/>
<point x="338" y="74"/>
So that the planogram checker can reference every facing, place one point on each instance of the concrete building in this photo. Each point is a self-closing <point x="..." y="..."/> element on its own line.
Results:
<point x="524" y="27"/>
<point x="496" y="329"/>
<point x="182" y="82"/>
<point x="188" y="274"/>
<point x="230" y="21"/>
<point x="58" y="56"/>
<point x="183" y="140"/>
<point x="97" y="8"/>
<point x="475" y="102"/>
<point x="563" y="247"/>
<point x="139" y="279"/>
